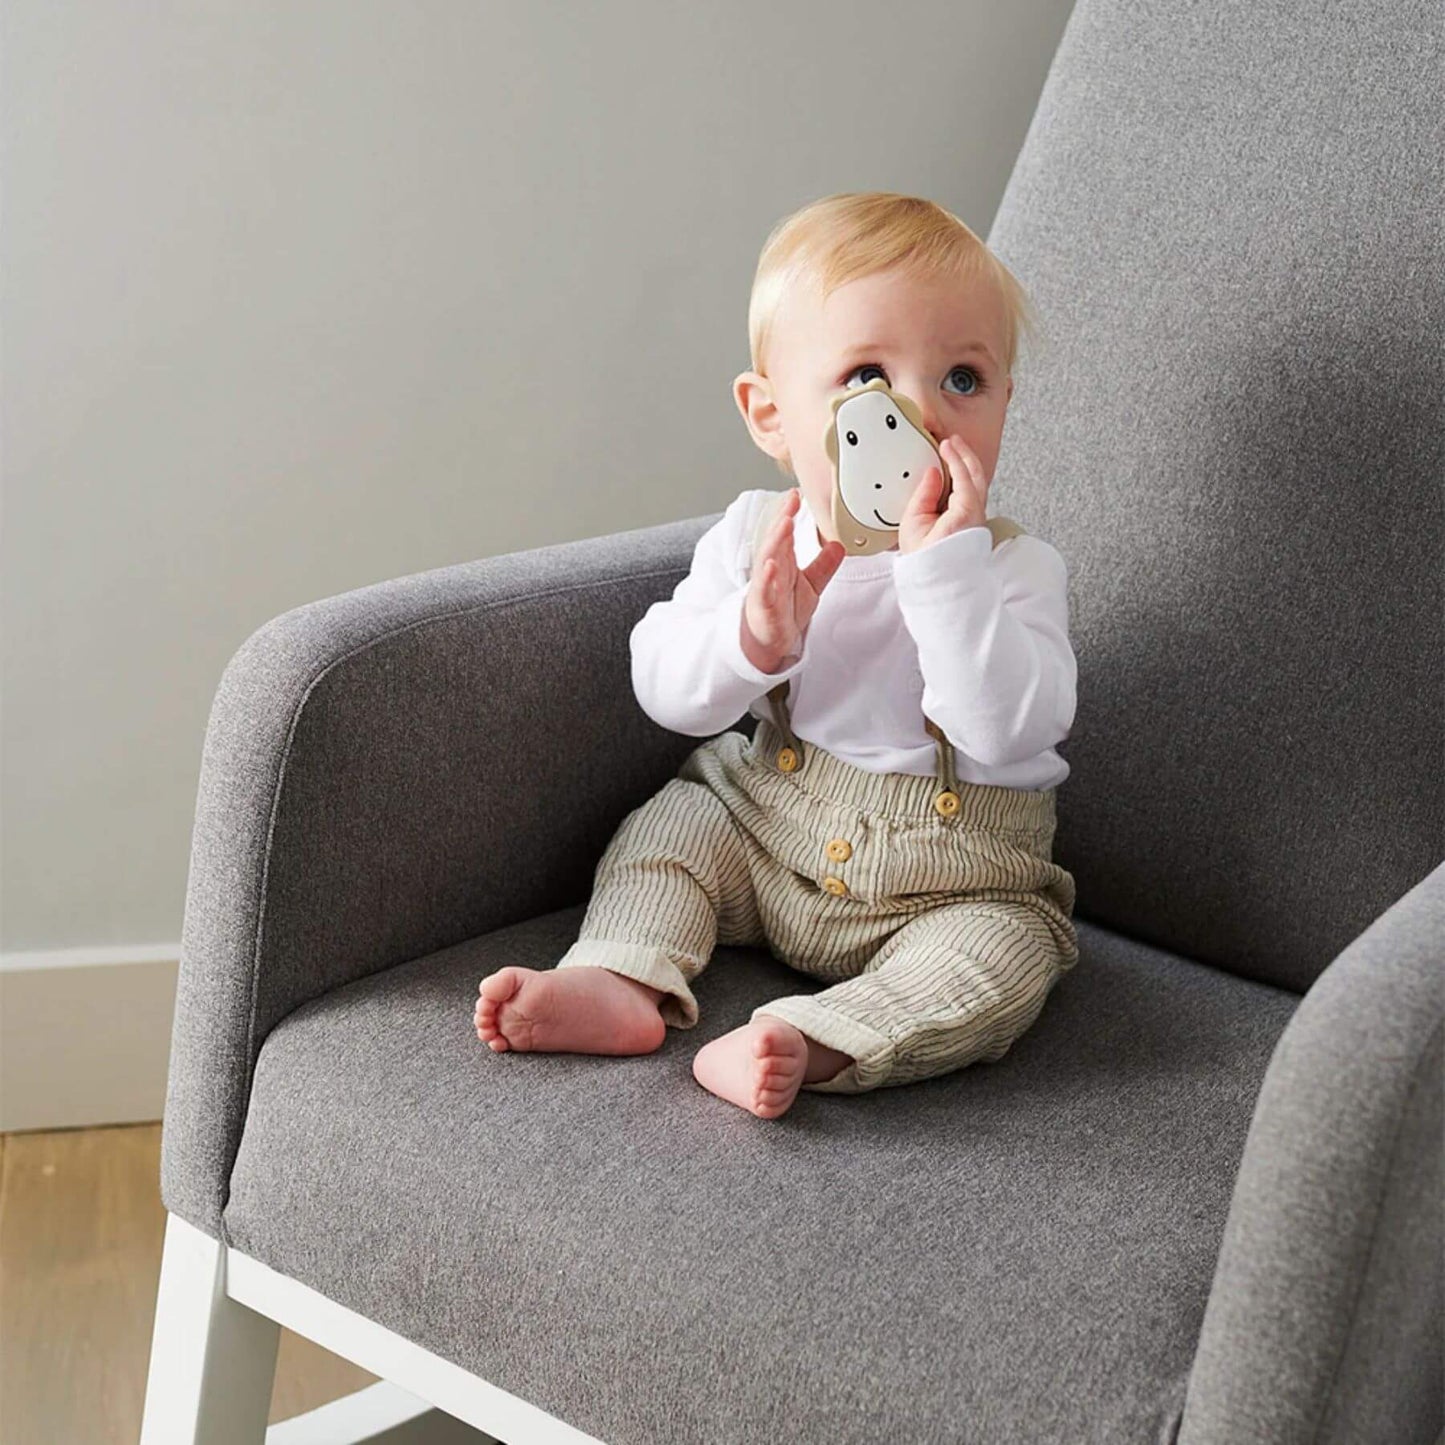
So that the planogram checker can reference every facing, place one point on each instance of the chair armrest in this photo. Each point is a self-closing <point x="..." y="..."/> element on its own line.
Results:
<point x="1324" y="1319"/>
<point x="390" y="772"/>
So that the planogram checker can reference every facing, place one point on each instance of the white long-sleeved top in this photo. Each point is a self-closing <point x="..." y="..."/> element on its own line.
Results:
<point x="976" y="637"/>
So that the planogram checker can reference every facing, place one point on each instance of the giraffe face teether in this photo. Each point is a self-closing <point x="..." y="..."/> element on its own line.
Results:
<point x="880" y="450"/>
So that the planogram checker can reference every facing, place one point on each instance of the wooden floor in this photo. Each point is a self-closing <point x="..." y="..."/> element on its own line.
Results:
<point x="81" y="1228"/>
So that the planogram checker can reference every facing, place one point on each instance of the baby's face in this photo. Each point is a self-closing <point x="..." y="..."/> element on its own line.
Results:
<point x="937" y="341"/>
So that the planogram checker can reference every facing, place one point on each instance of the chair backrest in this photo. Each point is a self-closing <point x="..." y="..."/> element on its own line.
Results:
<point x="1229" y="218"/>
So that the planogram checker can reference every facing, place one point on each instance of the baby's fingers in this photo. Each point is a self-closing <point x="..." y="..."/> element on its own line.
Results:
<point x="922" y="501"/>
<point x="967" y="468"/>
<point x="774" y="595"/>
<point x="779" y="542"/>
<point x="820" y="571"/>
<point x="769" y="610"/>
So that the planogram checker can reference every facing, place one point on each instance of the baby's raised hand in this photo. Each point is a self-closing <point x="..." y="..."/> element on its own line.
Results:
<point x="781" y="599"/>
<point x="923" y="523"/>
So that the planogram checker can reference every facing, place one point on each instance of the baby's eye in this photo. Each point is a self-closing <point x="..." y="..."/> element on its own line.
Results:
<point x="969" y="378"/>
<point x="858" y="371"/>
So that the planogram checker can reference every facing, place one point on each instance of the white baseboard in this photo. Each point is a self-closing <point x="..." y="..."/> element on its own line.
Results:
<point x="85" y="1036"/>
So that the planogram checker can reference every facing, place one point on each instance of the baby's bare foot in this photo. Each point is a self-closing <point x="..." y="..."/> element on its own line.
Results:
<point x="759" y="1066"/>
<point x="580" y="1010"/>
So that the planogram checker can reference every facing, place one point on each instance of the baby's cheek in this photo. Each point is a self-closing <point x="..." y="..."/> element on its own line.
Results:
<point x="820" y="473"/>
<point x="818" y="493"/>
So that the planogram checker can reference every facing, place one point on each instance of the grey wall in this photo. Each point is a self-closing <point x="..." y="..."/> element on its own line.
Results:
<point x="298" y="297"/>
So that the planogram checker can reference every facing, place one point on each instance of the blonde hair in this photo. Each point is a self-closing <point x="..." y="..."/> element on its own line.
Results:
<point x="840" y="238"/>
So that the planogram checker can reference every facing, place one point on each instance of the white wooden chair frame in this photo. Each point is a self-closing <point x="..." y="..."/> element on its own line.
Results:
<point x="218" y="1323"/>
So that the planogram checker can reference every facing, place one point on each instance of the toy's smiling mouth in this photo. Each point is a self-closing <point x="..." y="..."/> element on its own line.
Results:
<point x="883" y="519"/>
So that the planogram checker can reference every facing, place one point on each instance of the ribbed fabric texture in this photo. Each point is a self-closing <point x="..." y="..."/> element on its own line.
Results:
<point x="941" y="936"/>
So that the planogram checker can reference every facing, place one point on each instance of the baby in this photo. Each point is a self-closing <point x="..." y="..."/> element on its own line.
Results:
<point x="888" y="829"/>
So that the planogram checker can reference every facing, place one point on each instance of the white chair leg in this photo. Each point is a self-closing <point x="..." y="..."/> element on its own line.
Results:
<point x="213" y="1361"/>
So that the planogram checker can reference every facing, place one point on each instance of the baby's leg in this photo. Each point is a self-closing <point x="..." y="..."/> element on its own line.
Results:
<point x="674" y="879"/>
<point x="674" y="873"/>
<point x="955" y="985"/>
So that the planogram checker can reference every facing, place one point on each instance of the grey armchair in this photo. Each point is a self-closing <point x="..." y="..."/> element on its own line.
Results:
<point x="1200" y="1201"/>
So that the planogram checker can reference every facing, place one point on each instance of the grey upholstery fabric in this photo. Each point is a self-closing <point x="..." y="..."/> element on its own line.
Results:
<point x="1018" y="1251"/>
<point x="391" y="771"/>
<point x="1332" y="1258"/>
<point x="1229" y="216"/>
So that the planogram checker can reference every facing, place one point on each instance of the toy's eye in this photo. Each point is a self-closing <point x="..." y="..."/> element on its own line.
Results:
<point x="892" y="421"/>
<point x="852" y="438"/>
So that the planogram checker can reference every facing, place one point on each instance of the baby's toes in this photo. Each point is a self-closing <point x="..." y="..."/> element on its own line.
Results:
<point x="497" y="988"/>
<point x="776" y="1080"/>
<point x="484" y="1017"/>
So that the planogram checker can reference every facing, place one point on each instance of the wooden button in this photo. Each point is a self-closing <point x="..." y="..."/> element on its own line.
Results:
<point x="836" y="886"/>
<point x="787" y="760"/>
<point x="840" y="850"/>
<point x="947" y="803"/>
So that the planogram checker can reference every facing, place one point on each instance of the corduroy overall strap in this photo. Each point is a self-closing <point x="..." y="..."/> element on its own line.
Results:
<point x="789" y="757"/>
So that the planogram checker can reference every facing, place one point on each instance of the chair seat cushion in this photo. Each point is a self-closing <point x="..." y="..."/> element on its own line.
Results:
<point x="1020" y="1250"/>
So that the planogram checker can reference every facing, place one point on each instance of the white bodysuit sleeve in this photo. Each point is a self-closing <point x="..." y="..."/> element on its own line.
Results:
<point x="689" y="671"/>
<point x="992" y="631"/>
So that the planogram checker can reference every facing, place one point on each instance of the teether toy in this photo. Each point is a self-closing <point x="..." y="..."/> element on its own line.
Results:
<point x="880" y="450"/>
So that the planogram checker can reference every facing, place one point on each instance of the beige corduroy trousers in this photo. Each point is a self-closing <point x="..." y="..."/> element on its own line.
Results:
<point x="940" y="936"/>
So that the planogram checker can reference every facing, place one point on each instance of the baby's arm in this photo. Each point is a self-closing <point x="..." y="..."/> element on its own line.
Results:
<point x="992" y="631"/>
<point x="689" y="670"/>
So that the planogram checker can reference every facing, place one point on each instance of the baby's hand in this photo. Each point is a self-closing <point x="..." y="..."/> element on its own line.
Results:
<point x="781" y="600"/>
<point x="922" y="523"/>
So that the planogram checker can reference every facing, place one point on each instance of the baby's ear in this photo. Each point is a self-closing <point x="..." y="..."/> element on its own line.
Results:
<point x="754" y="397"/>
